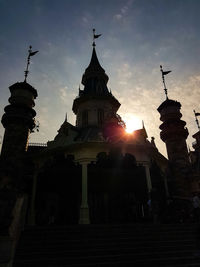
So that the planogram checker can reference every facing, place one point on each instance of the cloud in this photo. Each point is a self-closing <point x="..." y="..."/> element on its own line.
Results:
<point x="117" y="16"/>
<point x="63" y="94"/>
<point x="123" y="11"/>
<point x="85" y="20"/>
<point x="124" y="73"/>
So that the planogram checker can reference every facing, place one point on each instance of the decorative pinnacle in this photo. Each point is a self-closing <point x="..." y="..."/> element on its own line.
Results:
<point x="196" y="119"/>
<point x="163" y="78"/>
<point x="30" y="54"/>
<point x="95" y="36"/>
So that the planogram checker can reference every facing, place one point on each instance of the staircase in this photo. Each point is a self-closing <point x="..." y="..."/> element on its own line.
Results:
<point x="108" y="245"/>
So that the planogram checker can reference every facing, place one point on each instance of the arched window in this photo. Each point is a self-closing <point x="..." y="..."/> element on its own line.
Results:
<point x="85" y="118"/>
<point x="100" y="116"/>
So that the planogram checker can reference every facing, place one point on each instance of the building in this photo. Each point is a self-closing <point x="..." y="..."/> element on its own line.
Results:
<point x="92" y="172"/>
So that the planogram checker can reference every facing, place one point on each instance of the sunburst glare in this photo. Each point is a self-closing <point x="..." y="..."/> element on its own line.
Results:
<point x="132" y="123"/>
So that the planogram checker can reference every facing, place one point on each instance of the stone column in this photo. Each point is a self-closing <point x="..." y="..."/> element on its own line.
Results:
<point x="84" y="209"/>
<point x="166" y="186"/>
<point x="31" y="220"/>
<point x="148" y="178"/>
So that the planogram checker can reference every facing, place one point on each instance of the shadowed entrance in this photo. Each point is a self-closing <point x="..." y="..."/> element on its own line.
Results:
<point x="117" y="189"/>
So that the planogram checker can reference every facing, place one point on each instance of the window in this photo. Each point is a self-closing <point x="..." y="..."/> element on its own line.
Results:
<point x="100" y="116"/>
<point x="85" y="118"/>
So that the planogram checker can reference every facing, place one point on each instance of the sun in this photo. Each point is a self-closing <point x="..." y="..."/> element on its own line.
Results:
<point x="132" y="123"/>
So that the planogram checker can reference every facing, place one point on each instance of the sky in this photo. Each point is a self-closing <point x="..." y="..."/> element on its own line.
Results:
<point x="137" y="37"/>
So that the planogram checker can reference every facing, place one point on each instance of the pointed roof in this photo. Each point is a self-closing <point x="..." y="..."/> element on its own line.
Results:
<point x="95" y="85"/>
<point x="94" y="69"/>
<point x="94" y="62"/>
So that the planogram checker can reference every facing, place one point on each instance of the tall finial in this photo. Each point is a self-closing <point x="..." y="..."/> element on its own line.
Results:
<point x="95" y="36"/>
<point x="143" y="124"/>
<point x="197" y="121"/>
<point x="163" y="78"/>
<point x="30" y="54"/>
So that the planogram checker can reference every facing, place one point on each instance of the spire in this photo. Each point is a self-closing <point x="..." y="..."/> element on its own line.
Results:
<point x="163" y="78"/>
<point x="30" y="54"/>
<point x="94" y="63"/>
<point x="95" y="36"/>
<point x="95" y="79"/>
<point x="196" y="114"/>
<point x="143" y="127"/>
<point x="95" y="82"/>
<point x="94" y="70"/>
<point x="144" y="130"/>
<point x="153" y="141"/>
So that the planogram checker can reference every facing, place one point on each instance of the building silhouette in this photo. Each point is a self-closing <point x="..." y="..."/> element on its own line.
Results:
<point x="92" y="172"/>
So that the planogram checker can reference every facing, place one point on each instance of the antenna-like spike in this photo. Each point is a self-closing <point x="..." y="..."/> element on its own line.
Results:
<point x="143" y="124"/>
<point x="196" y="119"/>
<point x="30" y="54"/>
<point x="93" y="43"/>
<point x="95" y="36"/>
<point x="163" y="79"/>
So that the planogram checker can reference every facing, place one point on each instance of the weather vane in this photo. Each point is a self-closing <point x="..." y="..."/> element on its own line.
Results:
<point x="163" y="78"/>
<point x="196" y="119"/>
<point x="95" y="36"/>
<point x="30" y="54"/>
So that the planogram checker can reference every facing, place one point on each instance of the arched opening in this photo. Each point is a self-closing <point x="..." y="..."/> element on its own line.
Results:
<point x="58" y="192"/>
<point x="85" y="118"/>
<point x="117" y="189"/>
<point x="100" y="116"/>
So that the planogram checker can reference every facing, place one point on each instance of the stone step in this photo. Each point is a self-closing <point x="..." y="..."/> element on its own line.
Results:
<point x="115" y="260"/>
<point x="110" y="234"/>
<point x="106" y="253"/>
<point x="109" y="242"/>
<point x="108" y="228"/>
<point x="103" y="246"/>
<point x="108" y="245"/>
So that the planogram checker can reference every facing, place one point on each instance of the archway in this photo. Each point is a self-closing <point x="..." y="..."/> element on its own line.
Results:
<point x="58" y="191"/>
<point x="117" y="189"/>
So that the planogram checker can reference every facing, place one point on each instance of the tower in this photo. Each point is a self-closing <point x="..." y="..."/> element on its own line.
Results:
<point x="94" y="102"/>
<point x="174" y="134"/>
<point x="18" y="120"/>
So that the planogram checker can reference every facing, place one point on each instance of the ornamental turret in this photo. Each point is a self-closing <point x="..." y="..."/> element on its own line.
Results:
<point x="95" y="102"/>
<point x="19" y="118"/>
<point x="173" y="132"/>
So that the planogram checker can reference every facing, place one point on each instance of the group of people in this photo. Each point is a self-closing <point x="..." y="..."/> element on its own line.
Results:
<point x="174" y="209"/>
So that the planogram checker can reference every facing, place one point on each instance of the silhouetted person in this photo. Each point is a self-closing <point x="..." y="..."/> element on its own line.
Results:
<point x="196" y="207"/>
<point x="154" y="205"/>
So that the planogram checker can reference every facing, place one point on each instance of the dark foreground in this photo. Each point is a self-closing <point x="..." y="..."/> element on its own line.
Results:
<point x="108" y="245"/>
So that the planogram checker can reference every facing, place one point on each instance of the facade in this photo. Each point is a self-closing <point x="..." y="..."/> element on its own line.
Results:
<point x="92" y="172"/>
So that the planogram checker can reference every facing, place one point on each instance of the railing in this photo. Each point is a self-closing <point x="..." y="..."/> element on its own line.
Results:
<point x="38" y="144"/>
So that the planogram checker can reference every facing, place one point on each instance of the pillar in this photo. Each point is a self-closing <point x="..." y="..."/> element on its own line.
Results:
<point x="31" y="220"/>
<point x="84" y="209"/>
<point x="148" y="178"/>
<point x="166" y="187"/>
